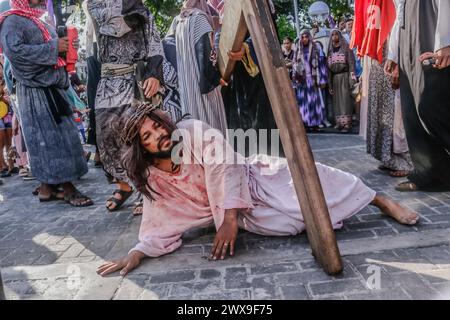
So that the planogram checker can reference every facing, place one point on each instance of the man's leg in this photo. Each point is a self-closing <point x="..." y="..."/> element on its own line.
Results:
<point x="46" y="192"/>
<point x="395" y="210"/>
<point x="74" y="197"/>
<point x="124" y="191"/>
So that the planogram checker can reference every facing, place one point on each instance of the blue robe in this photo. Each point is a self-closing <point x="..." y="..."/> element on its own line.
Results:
<point x="54" y="147"/>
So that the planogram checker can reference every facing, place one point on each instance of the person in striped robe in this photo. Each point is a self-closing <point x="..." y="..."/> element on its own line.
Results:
<point x="198" y="75"/>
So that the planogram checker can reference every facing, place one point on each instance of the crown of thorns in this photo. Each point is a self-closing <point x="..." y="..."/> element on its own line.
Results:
<point x="135" y="121"/>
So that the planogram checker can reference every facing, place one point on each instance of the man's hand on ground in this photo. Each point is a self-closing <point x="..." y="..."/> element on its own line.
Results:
<point x="63" y="44"/>
<point x="125" y="265"/>
<point x="226" y="236"/>
<point x="151" y="87"/>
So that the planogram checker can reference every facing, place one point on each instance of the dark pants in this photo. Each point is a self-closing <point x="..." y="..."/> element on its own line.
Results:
<point x="425" y="95"/>
<point x="94" y="75"/>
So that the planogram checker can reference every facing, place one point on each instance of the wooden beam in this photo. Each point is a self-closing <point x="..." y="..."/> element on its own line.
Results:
<point x="231" y="37"/>
<point x="293" y="135"/>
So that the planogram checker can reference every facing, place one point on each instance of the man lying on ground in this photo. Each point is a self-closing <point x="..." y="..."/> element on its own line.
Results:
<point x="213" y="184"/>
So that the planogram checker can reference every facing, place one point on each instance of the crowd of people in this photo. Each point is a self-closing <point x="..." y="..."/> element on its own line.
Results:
<point x="143" y="91"/>
<point x="326" y="80"/>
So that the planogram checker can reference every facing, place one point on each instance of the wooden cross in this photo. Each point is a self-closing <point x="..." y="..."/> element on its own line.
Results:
<point x="254" y="16"/>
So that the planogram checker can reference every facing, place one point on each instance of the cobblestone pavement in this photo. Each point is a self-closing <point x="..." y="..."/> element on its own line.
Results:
<point x="52" y="250"/>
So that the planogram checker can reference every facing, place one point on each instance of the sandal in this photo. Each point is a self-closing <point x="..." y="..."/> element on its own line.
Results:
<point x="119" y="202"/>
<point x="138" y="209"/>
<point x="23" y="172"/>
<point x="399" y="173"/>
<point x="36" y="191"/>
<point x="77" y="195"/>
<point x="14" y="170"/>
<point x="407" y="187"/>
<point x="55" y="196"/>
<point x="5" y="174"/>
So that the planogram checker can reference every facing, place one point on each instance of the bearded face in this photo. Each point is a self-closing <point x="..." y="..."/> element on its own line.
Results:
<point x="156" y="139"/>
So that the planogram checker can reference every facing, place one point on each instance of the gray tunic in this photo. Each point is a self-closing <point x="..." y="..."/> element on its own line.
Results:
<point x="54" y="148"/>
<point x="425" y="94"/>
<point x="207" y="107"/>
<point x="120" y="44"/>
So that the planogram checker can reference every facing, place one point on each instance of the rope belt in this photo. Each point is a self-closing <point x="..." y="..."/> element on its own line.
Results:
<point x="115" y="70"/>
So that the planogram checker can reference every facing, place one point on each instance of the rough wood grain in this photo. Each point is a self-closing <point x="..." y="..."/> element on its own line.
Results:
<point x="287" y="115"/>
<point x="231" y="37"/>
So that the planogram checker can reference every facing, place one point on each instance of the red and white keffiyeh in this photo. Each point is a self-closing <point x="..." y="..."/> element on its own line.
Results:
<point x="22" y="8"/>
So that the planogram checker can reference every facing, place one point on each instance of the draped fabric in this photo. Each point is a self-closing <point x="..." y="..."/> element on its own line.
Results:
<point x="22" y="8"/>
<point x="260" y="187"/>
<point x="309" y="73"/>
<point x="381" y="122"/>
<point x="126" y="34"/>
<point x="200" y="96"/>
<point x="425" y="96"/>
<point x="51" y="136"/>
<point x="380" y="20"/>
<point x="341" y="64"/>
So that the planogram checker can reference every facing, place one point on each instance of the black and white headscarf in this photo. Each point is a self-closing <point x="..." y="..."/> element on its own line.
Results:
<point x="117" y="18"/>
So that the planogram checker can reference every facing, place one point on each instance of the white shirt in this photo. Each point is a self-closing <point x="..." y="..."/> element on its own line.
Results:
<point x="442" y="36"/>
<point x="395" y="33"/>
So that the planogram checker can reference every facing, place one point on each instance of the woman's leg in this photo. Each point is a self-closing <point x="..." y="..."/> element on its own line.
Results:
<point x="2" y="146"/>
<point x="8" y="143"/>
<point x="395" y="210"/>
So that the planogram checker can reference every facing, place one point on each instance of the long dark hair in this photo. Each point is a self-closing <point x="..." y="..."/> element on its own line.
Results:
<point x="136" y="160"/>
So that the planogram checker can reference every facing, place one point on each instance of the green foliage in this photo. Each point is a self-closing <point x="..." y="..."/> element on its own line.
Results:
<point x="338" y="8"/>
<point x="285" y="27"/>
<point x="164" y="12"/>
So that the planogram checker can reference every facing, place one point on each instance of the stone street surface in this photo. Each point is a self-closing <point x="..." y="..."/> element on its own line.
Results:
<point x="51" y="251"/>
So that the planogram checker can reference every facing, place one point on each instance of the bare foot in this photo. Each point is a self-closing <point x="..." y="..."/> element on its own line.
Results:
<point x="393" y="209"/>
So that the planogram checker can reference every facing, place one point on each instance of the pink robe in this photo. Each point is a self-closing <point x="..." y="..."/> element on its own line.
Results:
<point x="22" y="159"/>
<point x="262" y="188"/>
